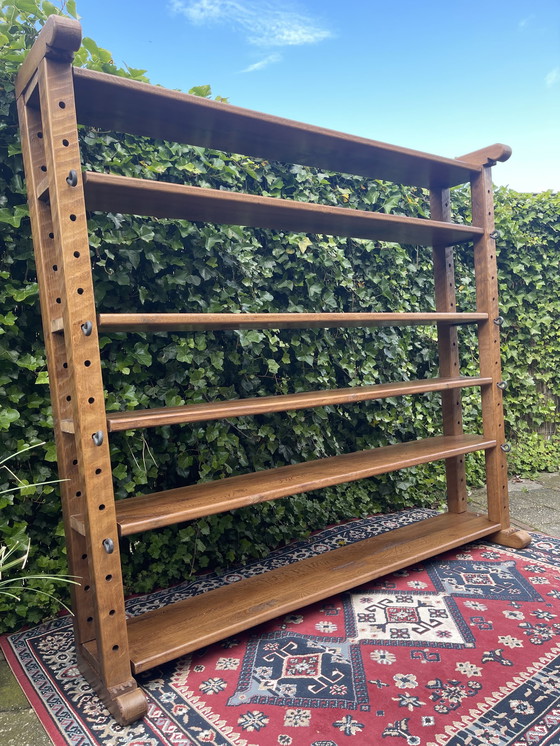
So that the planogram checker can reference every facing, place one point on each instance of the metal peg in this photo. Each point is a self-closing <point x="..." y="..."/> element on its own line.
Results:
<point x="495" y="235"/>
<point x="499" y="321"/>
<point x="109" y="546"/>
<point x="502" y="385"/>
<point x="72" y="178"/>
<point x="87" y="328"/>
<point x="506" y="448"/>
<point x="98" y="438"/>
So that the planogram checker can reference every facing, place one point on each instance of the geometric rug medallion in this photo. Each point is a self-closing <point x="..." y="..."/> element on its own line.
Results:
<point x="460" y="650"/>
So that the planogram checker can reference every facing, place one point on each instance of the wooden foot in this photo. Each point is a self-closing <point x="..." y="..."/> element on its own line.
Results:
<point x="512" y="537"/>
<point x="128" y="707"/>
<point x="126" y="702"/>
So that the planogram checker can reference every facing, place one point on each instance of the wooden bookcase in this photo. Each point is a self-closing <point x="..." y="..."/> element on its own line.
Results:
<point x="53" y="97"/>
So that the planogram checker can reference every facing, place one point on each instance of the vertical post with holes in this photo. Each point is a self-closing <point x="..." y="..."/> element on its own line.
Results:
<point x="444" y="279"/>
<point x="485" y="265"/>
<point x="57" y="206"/>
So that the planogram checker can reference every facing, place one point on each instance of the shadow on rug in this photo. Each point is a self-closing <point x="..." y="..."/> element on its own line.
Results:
<point x="463" y="649"/>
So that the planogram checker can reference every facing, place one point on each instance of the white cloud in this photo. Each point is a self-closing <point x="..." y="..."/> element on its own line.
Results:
<point x="552" y="77"/>
<point x="272" y="58"/>
<point x="263" y="23"/>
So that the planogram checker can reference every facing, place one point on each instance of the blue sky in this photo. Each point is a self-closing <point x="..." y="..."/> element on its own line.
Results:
<point x="443" y="76"/>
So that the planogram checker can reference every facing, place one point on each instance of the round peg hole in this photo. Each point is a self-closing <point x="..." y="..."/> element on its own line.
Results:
<point x="62" y="104"/>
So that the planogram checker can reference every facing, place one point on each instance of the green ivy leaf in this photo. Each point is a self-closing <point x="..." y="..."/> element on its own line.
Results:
<point x="7" y="416"/>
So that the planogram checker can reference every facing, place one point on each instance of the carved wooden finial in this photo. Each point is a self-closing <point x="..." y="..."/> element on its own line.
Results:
<point x="59" y="38"/>
<point x="487" y="156"/>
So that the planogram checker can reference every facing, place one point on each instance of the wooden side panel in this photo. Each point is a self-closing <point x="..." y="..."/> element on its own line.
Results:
<point x="50" y="288"/>
<point x="86" y="399"/>
<point x="489" y="344"/>
<point x="444" y="276"/>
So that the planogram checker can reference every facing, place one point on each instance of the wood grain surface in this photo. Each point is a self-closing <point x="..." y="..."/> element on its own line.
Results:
<point x="160" y="199"/>
<point x="146" y="512"/>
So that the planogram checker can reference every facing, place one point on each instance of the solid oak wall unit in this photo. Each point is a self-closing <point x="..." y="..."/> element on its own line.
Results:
<point x="53" y="98"/>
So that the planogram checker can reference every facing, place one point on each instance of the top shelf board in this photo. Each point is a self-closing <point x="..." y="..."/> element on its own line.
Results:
<point x="122" y="105"/>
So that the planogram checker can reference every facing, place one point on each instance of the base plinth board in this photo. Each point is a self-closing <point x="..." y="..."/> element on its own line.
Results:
<point x="461" y="649"/>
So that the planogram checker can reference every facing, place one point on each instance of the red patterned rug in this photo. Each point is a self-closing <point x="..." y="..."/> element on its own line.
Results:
<point x="461" y="650"/>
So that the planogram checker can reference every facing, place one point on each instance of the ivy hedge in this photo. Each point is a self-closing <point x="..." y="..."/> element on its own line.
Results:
<point x="162" y="265"/>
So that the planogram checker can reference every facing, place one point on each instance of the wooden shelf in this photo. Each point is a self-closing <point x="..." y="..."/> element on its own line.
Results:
<point x="166" y="633"/>
<point x="115" y="103"/>
<point x="160" y="199"/>
<point x="146" y="512"/>
<point x="188" y="322"/>
<point x="262" y="405"/>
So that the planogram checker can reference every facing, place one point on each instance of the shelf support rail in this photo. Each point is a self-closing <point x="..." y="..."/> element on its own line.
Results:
<point x="51" y="149"/>
<point x="444" y="279"/>
<point x="486" y="279"/>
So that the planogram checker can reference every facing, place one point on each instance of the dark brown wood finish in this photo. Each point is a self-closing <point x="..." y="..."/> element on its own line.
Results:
<point x="147" y="512"/>
<point x="487" y="156"/>
<point x="50" y="145"/>
<point x="188" y="322"/>
<point x="265" y="404"/>
<point x="59" y="38"/>
<point x="70" y="230"/>
<point x="114" y="103"/>
<point x="163" y="634"/>
<point x="47" y="261"/>
<point x="160" y="199"/>
<point x="444" y="281"/>
<point x="49" y="93"/>
<point x="486" y="275"/>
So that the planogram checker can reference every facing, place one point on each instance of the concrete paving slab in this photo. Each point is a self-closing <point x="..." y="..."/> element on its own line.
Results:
<point x="12" y="697"/>
<point x="534" y="503"/>
<point x="24" y="729"/>
<point x="19" y="725"/>
<point x="550" y="480"/>
<point x="523" y="485"/>
<point x="538" y="498"/>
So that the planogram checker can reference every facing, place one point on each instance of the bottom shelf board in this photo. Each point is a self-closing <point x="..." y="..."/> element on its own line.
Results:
<point x="163" y="634"/>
